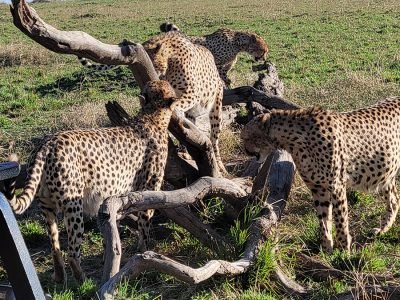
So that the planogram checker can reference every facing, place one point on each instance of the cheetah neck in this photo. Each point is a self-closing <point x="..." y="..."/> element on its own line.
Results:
<point x="287" y="130"/>
<point x="158" y="120"/>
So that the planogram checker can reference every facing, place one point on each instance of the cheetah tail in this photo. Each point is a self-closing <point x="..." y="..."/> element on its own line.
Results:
<point x="94" y="67"/>
<point x="22" y="202"/>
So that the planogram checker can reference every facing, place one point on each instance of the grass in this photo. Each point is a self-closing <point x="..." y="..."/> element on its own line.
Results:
<point x="339" y="55"/>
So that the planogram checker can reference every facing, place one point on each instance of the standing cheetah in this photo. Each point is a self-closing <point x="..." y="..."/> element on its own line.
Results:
<point x="332" y="151"/>
<point x="191" y="71"/>
<point x="75" y="171"/>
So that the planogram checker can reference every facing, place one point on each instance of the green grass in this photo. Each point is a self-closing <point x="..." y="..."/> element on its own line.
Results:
<point x="339" y="55"/>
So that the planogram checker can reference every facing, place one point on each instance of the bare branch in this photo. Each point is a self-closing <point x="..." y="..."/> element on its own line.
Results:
<point x="248" y="93"/>
<point x="82" y="44"/>
<point x="259" y="230"/>
<point x="203" y="187"/>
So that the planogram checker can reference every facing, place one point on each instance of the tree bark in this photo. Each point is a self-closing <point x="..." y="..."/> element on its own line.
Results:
<point x="248" y="93"/>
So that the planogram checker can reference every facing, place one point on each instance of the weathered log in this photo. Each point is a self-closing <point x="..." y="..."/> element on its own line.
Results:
<point x="259" y="230"/>
<point x="248" y="93"/>
<point x="268" y="81"/>
<point x="197" y="143"/>
<point x="121" y="206"/>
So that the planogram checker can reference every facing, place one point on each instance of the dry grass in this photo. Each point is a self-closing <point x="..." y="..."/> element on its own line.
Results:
<point x="230" y="145"/>
<point x="355" y="90"/>
<point x="92" y="115"/>
<point x="17" y="54"/>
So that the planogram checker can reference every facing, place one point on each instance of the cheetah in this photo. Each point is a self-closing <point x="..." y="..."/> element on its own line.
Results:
<point x="73" y="172"/>
<point x="359" y="149"/>
<point x="225" y="45"/>
<point x="191" y="71"/>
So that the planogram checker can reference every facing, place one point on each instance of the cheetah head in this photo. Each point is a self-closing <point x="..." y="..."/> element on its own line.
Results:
<point x="253" y="44"/>
<point x="159" y="55"/>
<point x="255" y="137"/>
<point x="157" y="94"/>
<point x="167" y="26"/>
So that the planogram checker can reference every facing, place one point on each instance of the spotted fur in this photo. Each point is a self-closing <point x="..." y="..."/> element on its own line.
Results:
<point x="94" y="67"/>
<point x="225" y="45"/>
<point x="333" y="151"/>
<point x="75" y="171"/>
<point x="191" y="71"/>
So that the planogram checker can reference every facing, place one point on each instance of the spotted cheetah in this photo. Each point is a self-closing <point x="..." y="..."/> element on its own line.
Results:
<point x="191" y="71"/>
<point x="75" y="171"/>
<point x="225" y="45"/>
<point x="358" y="149"/>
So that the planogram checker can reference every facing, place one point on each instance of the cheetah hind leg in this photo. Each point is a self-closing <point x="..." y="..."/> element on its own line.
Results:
<point x="341" y="217"/>
<point x="392" y="206"/>
<point x="73" y="219"/>
<point x="323" y="208"/>
<point x="144" y="218"/>
<point x="59" y="274"/>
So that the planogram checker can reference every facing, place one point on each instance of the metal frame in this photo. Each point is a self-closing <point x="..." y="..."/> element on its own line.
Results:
<point x="15" y="256"/>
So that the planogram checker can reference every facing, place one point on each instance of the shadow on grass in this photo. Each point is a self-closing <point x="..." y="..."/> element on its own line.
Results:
<point x="105" y="81"/>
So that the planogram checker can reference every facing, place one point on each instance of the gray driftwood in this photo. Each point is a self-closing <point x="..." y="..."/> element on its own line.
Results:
<point x="277" y="183"/>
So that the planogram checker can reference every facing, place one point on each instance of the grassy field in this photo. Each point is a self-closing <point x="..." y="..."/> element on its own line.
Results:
<point x="336" y="54"/>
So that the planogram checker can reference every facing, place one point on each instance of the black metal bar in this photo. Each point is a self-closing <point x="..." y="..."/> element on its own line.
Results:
<point x="15" y="255"/>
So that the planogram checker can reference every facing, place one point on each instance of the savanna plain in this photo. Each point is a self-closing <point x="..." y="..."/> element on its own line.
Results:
<point x="340" y="55"/>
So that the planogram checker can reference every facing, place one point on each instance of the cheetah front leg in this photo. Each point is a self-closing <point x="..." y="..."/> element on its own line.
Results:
<point x="392" y="207"/>
<point x="144" y="222"/>
<point x="223" y="73"/>
<point x="341" y="217"/>
<point x="50" y="216"/>
<point x="73" y="219"/>
<point x="323" y="207"/>
<point x="151" y="181"/>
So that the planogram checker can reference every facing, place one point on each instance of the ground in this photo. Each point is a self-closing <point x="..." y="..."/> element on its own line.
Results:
<point x="338" y="55"/>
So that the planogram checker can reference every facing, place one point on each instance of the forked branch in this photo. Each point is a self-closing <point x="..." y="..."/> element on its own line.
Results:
<point x="259" y="230"/>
